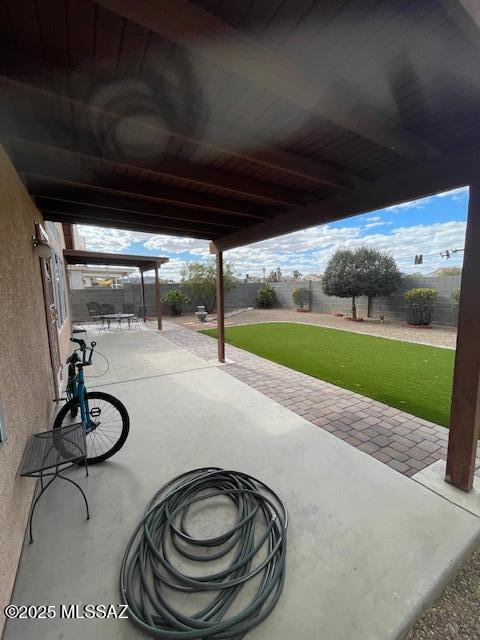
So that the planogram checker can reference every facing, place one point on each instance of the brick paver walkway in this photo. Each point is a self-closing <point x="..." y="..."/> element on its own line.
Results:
<point x="400" y="440"/>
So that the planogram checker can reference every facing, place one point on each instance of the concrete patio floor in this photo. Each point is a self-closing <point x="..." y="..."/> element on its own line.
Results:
<point x="368" y="548"/>
<point x="401" y="440"/>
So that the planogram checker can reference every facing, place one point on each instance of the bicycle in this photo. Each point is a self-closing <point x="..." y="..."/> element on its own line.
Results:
<point x="104" y="417"/>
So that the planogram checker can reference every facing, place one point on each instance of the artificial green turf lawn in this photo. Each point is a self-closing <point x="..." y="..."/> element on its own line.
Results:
<point x="413" y="377"/>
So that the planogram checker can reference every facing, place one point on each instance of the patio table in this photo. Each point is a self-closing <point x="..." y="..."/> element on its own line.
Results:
<point x="108" y="317"/>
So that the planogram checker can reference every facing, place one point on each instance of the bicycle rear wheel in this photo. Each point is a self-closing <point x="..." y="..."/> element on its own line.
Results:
<point x="112" y="424"/>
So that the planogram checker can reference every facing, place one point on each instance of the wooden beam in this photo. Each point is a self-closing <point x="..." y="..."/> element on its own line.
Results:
<point x="56" y="216"/>
<point x="140" y="213"/>
<point x="465" y="411"/>
<point x="428" y="179"/>
<point x="68" y="235"/>
<point x="125" y="194"/>
<point x="158" y="222"/>
<point x="142" y="296"/>
<point x="199" y="175"/>
<point x="147" y="263"/>
<point x="217" y="137"/>
<point x="158" y="302"/>
<point x="209" y="37"/>
<point x="220" y="307"/>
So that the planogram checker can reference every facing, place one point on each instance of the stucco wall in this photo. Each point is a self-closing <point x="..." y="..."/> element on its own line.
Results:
<point x="26" y="388"/>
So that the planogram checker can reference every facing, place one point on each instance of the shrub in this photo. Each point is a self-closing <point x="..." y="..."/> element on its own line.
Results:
<point x="301" y="297"/>
<point x="420" y="304"/>
<point x="456" y="297"/>
<point x="266" y="297"/>
<point x="175" y="300"/>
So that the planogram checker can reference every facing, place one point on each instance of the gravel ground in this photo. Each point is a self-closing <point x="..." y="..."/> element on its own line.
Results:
<point x="456" y="614"/>
<point x="437" y="336"/>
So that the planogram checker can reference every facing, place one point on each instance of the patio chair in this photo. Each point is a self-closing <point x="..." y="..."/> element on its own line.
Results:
<point x="142" y="312"/>
<point x="129" y="307"/>
<point x="107" y="308"/>
<point x="93" y="310"/>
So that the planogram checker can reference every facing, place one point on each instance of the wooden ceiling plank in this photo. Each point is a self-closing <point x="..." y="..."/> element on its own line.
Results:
<point x="100" y="206"/>
<point x="130" y="226"/>
<point x="209" y="37"/>
<point x="198" y="177"/>
<point x="203" y="176"/>
<point x="219" y="138"/>
<point x="55" y="180"/>
<point x="81" y="211"/>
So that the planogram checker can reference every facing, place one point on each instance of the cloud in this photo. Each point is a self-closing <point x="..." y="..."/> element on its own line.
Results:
<point x="374" y="219"/>
<point x="370" y="225"/>
<point x="414" y="204"/>
<point x="173" y="244"/>
<point x="308" y="250"/>
<point x="455" y="194"/>
<point x="403" y="243"/>
<point x="109" y="240"/>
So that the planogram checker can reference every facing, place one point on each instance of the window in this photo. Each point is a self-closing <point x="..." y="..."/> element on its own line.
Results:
<point x="59" y="289"/>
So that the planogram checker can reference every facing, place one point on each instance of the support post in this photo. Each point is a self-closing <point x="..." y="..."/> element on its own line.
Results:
<point x="142" y="297"/>
<point x="220" y="308"/>
<point x="157" y="299"/>
<point x="465" y="412"/>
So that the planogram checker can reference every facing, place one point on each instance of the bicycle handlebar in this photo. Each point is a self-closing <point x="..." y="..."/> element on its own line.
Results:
<point x="86" y="360"/>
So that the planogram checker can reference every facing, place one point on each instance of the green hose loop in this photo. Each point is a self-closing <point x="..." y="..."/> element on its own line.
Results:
<point x="256" y="543"/>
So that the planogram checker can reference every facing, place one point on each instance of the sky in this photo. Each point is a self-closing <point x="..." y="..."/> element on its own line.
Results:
<point x="427" y="226"/>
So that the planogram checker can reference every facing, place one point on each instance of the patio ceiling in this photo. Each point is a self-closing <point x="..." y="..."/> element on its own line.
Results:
<point x="236" y="122"/>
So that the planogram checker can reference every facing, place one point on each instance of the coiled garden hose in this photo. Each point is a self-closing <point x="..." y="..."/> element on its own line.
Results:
<point x="254" y="549"/>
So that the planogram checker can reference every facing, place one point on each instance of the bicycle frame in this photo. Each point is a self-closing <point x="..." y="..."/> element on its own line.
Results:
<point x="81" y="395"/>
<point x="78" y="389"/>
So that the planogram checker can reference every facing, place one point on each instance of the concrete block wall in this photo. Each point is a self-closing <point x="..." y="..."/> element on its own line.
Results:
<point x="392" y="307"/>
<point x="321" y="303"/>
<point x="243" y="295"/>
<point x="80" y="298"/>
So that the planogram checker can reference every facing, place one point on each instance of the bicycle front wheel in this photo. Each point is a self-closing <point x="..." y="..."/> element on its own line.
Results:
<point x="111" y="420"/>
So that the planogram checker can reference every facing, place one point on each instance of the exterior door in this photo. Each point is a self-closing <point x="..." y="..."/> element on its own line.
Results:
<point x="51" y="317"/>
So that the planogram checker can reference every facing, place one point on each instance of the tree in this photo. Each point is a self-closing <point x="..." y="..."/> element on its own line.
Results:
<point x="448" y="271"/>
<point x="296" y="274"/>
<point x="361" y="272"/>
<point x="199" y="281"/>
